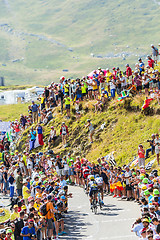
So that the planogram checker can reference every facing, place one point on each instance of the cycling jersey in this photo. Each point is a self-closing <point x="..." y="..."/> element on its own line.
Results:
<point x="85" y="172"/>
<point x="93" y="185"/>
<point x="99" y="181"/>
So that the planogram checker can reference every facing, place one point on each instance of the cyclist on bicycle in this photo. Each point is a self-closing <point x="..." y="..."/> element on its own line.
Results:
<point x="99" y="181"/>
<point x="85" y="173"/>
<point x="92" y="185"/>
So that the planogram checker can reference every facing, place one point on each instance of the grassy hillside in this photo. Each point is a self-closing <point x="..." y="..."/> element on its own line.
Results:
<point x="45" y="37"/>
<point x="126" y="127"/>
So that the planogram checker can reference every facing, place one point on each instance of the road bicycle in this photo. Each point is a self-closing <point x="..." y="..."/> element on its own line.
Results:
<point x="94" y="202"/>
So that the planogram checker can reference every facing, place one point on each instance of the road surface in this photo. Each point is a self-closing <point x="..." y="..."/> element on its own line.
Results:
<point x="113" y="222"/>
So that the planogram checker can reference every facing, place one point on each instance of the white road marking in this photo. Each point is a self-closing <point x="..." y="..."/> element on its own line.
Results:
<point x="119" y="237"/>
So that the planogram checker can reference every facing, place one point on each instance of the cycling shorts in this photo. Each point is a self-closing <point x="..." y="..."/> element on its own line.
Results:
<point x="93" y="191"/>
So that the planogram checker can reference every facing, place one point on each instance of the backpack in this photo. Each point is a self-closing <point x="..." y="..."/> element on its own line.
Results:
<point x="43" y="209"/>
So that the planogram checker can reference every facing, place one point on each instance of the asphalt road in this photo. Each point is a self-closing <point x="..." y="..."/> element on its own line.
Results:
<point x="112" y="222"/>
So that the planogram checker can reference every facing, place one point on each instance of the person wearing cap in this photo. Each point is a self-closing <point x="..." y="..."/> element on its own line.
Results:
<point x="8" y="234"/>
<point x="157" y="146"/>
<point x="148" y="196"/>
<point x="28" y="232"/>
<point x="140" y="66"/>
<point x="60" y="206"/>
<point x="15" y="214"/>
<point x="145" y="222"/>
<point x="152" y="147"/>
<point x="26" y="192"/>
<point x="154" y="53"/>
<point x="64" y="132"/>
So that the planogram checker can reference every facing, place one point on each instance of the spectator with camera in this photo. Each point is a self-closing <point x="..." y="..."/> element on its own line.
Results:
<point x="152" y="147"/>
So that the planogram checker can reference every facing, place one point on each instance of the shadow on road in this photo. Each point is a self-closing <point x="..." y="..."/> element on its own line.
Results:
<point x="74" y="223"/>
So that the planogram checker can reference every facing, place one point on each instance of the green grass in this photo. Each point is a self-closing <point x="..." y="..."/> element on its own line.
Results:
<point x="13" y="111"/>
<point x="86" y="26"/>
<point x="124" y="131"/>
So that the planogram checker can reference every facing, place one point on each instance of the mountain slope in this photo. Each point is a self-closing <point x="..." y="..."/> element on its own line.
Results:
<point x="125" y="128"/>
<point x="46" y="37"/>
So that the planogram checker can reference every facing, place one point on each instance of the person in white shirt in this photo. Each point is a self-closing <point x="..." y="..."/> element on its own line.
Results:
<point x="90" y="88"/>
<point x="52" y="137"/>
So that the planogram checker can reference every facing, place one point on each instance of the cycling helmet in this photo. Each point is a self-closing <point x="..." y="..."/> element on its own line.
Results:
<point x="92" y="178"/>
<point x="97" y="175"/>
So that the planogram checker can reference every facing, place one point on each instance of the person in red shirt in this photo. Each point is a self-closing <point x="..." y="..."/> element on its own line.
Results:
<point x="150" y="62"/>
<point x="114" y="71"/>
<point x="129" y="73"/>
<point x="141" y="155"/>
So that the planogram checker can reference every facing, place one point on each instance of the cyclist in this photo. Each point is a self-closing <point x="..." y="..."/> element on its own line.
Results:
<point x="93" y="190"/>
<point x="85" y="173"/>
<point x="99" y="181"/>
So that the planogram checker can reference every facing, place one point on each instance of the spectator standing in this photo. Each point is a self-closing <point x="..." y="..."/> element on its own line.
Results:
<point x="129" y="73"/>
<point x="19" y="183"/>
<point x="28" y="232"/>
<point x="40" y="134"/>
<point x="141" y="156"/>
<point x="150" y="62"/>
<point x="11" y="181"/>
<point x="112" y="87"/>
<point x="141" y="66"/>
<point x="67" y="101"/>
<point x="35" y="108"/>
<point x="64" y="132"/>
<point x="19" y="224"/>
<point x="137" y="80"/>
<point x="52" y="137"/>
<point x="32" y="138"/>
<point x="157" y="146"/>
<point x="154" y="53"/>
<point x="50" y="218"/>
<point x="91" y="130"/>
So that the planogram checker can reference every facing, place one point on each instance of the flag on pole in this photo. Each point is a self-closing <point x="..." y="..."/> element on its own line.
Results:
<point x="112" y="160"/>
